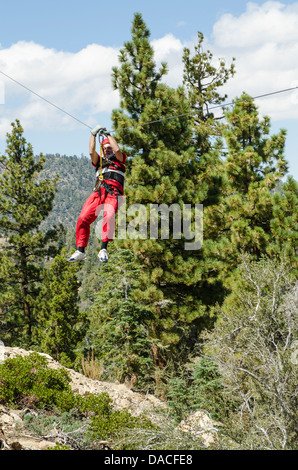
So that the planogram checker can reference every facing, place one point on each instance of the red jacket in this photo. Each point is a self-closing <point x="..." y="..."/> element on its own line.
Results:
<point x="110" y="166"/>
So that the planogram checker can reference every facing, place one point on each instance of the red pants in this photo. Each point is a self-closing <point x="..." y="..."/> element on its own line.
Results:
<point x="91" y="209"/>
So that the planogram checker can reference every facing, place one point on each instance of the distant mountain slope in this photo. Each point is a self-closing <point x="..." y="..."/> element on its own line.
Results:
<point x="76" y="182"/>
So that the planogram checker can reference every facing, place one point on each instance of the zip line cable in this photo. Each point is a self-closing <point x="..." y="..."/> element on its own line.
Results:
<point x="44" y="99"/>
<point x="157" y="120"/>
<point x="212" y="107"/>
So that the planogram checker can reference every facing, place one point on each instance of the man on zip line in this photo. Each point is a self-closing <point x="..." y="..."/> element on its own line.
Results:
<point x="110" y="168"/>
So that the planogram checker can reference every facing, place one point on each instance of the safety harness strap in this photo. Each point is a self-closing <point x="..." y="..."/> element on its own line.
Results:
<point x="109" y="189"/>
<point x="114" y="175"/>
<point x="108" y="174"/>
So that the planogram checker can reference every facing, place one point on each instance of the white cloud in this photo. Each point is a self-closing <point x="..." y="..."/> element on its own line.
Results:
<point x="264" y="41"/>
<point x="170" y="49"/>
<point x="260" y="23"/>
<point x="73" y="81"/>
<point x="165" y="46"/>
<point x="79" y="83"/>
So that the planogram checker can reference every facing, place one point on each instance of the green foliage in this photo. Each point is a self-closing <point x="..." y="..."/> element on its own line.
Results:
<point x="28" y="201"/>
<point x="106" y="423"/>
<point x="60" y="326"/>
<point x="118" y="333"/>
<point x="25" y="201"/>
<point x="28" y="381"/>
<point x="137" y="78"/>
<point x="198" y="388"/>
<point x="165" y="168"/>
<point x="202" y="81"/>
<point x="252" y="345"/>
<point x="59" y="447"/>
<point x="149" y="305"/>
<point x="207" y="388"/>
<point x="284" y="223"/>
<point x="242" y="220"/>
<point x="179" y="397"/>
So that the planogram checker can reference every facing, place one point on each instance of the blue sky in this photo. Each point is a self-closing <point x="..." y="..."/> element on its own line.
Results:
<point x="72" y="24"/>
<point x="65" y="50"/>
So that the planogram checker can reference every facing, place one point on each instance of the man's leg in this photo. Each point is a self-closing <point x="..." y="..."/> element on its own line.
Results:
<point x="88" y="215"/>
<point x="108" y="226"/>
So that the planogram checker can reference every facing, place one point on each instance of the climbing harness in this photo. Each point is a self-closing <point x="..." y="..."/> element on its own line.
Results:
<point x="111" y="171"/>
<point x="109" y="189"/>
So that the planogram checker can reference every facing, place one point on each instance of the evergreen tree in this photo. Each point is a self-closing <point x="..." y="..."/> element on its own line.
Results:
<point x="253" y="167"/>
<point x="284" y="224"/>
<point x="118" y="332"/>
<point x="25" y="201"/>
<point x="161" y="155"/>
<point x="202" y="81"/>
<point x="155" y="122"/>
<point x="59" y="324"/>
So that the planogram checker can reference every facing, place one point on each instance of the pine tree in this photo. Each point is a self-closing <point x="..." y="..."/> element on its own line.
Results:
<point x="284" y="223"/>
<point x="202" y="80"/>
<point x="59" y="324"/>
<point x="156" y="125"/>
<point x="161" y="159"/>
<point x="118" y="332"/>
<point x="25" y="201"/>
<point x="253" y="167"/>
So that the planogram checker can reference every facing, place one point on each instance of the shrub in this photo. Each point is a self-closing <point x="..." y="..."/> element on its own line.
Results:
<point x="200" y="388"/>
<point x="106" y="423"/>
<point x="28" y="381"/>
<point x="253" y="344"/>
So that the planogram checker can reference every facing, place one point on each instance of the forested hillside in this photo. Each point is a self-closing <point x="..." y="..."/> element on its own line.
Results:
<point x="211" y="326"/>
<point x="76" y="182"/>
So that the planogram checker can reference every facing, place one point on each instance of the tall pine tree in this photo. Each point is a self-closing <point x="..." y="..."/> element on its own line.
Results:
<point x="25" y="201"/>
<point x="60" y="326"/>
<point x="155" y="123"/>
<point x="202" y="80"/>
<point x="284" y="223"/>
<point x="254" y="165"/>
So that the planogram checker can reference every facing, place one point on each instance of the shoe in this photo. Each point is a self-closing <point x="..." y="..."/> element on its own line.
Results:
<point x="103" y="255"/>
<point x="77" y="256"/>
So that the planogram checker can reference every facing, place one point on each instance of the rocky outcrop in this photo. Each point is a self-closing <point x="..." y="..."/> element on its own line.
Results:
<point x="199" y="424"/>
<point x="12" y="434"/>
<point x="122" y="396"/>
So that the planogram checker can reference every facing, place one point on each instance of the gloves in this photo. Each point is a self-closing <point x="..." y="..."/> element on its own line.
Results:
<point x="96" y="130"/>
<point x="104" y="131"/>
<point x="99" y="130"/>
